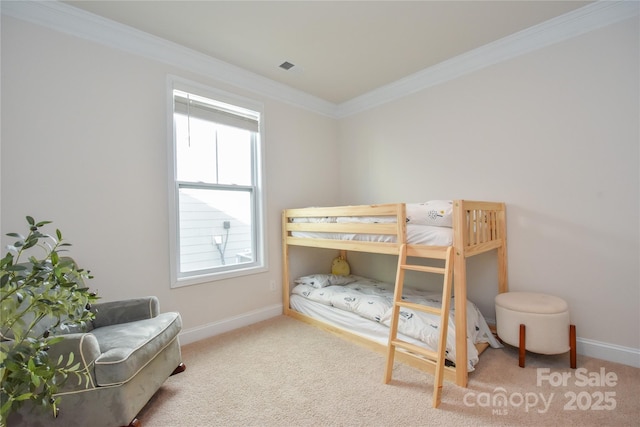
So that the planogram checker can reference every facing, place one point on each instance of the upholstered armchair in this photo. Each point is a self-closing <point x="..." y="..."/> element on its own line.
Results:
<point x="129" y="351"/>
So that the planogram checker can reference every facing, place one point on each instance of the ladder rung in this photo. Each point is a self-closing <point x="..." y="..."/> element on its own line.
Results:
<point x="423" y="268"/>
<point x="415" y="349"/>
<point x="419" y="307"/>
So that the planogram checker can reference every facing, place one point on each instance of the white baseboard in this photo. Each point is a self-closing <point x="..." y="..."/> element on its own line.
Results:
<point x="198" y="333"/>
<point x="610" y="352"/>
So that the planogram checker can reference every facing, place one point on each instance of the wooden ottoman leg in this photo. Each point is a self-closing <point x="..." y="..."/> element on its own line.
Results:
<point x="572" y="346"/>
<point x="522" y="346"/>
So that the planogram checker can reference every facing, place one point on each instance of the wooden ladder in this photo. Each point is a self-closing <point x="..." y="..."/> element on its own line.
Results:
<point x="439" y="355"/>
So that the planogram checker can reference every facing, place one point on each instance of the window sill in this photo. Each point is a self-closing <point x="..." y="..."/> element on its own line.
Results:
<point x="214" y="277"/>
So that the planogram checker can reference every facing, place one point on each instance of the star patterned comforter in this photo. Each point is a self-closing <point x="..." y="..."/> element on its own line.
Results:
<point x="373" y="300"/>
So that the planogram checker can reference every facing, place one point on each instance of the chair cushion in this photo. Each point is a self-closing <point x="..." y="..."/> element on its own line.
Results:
<point x="126" y="348"/>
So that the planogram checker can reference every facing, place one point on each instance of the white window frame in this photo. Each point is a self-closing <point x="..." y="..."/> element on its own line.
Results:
<point x="260" y="263"/>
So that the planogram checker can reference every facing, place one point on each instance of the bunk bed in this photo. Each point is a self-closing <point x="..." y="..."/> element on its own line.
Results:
<point x="469" y="228"/>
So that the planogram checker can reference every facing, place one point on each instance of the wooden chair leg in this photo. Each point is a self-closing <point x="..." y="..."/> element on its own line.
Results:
<point x="572" y="346"/>
<point x="522" y="347"/>
<point x="134" y="423"/>
<point x="180" y="368"/>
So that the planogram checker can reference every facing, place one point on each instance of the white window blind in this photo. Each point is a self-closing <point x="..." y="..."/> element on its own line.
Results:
<point x="197" y="107"/>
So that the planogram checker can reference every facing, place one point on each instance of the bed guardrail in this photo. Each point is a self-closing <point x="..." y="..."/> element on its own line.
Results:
<point x="483" y="226"/>
<point x="396" y="229"/>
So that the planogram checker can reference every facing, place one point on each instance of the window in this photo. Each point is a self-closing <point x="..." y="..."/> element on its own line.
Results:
<point x="215" y="186"/>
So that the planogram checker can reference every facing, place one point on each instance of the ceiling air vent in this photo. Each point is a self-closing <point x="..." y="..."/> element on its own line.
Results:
<point x="286" y="65"/>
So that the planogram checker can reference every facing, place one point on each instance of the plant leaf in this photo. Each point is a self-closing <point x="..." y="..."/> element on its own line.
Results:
<point x="24" y="396"/>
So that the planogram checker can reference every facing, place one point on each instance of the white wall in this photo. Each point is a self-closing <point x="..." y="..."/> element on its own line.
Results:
<point x="554" y="134"/>
<point x="84" y="145"/>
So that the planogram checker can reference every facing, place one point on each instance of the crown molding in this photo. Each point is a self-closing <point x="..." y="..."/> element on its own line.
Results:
<point x="70" y="20"/>
<point x="591" y="17"/>
<point x="67" y="19"/>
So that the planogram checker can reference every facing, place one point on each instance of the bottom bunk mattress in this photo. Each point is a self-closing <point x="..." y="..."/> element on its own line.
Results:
<point x="363" y="306"/>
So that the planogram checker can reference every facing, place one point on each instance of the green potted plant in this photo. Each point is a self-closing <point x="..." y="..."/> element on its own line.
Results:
<point x="42" y="296"/>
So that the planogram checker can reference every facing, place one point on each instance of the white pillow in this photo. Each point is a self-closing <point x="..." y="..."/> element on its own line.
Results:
<point x="434" y="212"/>
<point x="322" y="280"/>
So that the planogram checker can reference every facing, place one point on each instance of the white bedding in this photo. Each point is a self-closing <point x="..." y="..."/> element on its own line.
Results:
<point x="427" y="224"/>
<point x="416" y="235"/>
<point x="370" y="302"/>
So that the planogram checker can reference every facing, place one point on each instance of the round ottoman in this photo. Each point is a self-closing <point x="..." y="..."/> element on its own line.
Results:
<point x="535" y="322"/>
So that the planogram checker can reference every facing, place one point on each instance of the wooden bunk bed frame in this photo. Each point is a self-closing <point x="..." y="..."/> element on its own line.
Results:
<point x="478" y="227"/>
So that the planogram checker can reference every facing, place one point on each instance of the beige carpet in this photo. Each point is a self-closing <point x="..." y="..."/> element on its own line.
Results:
<point x="283" y="372"/>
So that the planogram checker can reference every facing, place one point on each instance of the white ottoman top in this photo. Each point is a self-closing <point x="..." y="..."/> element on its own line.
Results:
<point x="530" y="302"/>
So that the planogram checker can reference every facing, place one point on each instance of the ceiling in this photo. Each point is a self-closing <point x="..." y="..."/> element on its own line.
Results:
<point x="340" y="49"/>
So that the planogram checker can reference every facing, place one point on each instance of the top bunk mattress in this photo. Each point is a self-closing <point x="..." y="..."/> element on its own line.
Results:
<point x="428" y="224"/>
<point x="416" y="235"/>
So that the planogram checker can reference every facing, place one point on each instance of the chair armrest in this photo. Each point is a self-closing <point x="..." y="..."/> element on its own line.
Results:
<point x="131" y="310"/>
<point x="85" y="349"/>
